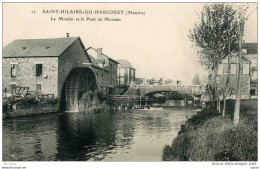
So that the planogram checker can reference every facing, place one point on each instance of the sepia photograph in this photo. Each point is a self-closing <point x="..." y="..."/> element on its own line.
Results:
<point x="130" y="82"/>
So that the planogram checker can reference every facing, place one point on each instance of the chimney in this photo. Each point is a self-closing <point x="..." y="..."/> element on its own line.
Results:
<point x="99" y="53"/>
<point x="68" y="35"/>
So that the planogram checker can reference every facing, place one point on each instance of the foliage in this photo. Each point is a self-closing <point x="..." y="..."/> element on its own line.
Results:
<point x="210" y="36"/>
<point x="177" y="96"/>
<point x="95" y="99"/>
<point x="85" y="100"/>
<point x="30" y="100"/>
<point x="209" y="137"/>
<point x="51" y="100"/>
<point x="196" y="79"/>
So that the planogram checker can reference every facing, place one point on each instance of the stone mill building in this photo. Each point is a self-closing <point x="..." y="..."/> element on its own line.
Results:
<point x="59" y="66"/>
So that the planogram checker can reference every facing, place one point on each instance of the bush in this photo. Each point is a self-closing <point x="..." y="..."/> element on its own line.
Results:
<point x="30" y="100"/>
<point x="199" y="119"/>
<point x="209" y="137"/>
<point x="51" y="100"/>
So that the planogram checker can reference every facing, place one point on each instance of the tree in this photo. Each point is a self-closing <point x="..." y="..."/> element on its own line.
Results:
<point x="243" y="9"/>
<point x="196" y="79"/>
<point x="226" y="87"/>
<point x="214" y="37"/>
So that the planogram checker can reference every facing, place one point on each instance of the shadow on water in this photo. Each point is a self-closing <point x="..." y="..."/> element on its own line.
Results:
<point x="29" y="138"/>
<point x="84" y="136"/>
<point x="132" y="135"/>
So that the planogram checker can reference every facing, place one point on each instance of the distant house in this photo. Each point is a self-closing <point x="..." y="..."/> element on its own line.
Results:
<point x="125" y="73"/>
<point x="223" y="72"/>
<point x="139" y="81"/>
<point x="251" y="53"/>
<point x="107" y="81"/>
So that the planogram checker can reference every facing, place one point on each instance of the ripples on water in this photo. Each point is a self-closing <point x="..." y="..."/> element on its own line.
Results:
<point x="137" y="135"/>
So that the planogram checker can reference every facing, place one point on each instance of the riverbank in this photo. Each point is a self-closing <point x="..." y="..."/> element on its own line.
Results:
<point x="29" y="107"/>
<point x="209" y="137"/>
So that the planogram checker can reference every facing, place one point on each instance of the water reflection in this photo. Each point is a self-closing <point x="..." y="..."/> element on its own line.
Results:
<point x="137" y="135"/>
<point x="29" y="139"/>
<point x="92" y="136"/>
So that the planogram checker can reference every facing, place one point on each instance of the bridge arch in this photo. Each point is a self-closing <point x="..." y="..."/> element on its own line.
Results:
<point x="145" y="90"/>
<point x="78" y="81"/>
<point x="173" y="93"/>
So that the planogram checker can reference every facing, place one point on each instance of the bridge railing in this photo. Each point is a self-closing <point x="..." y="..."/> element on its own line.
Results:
<point x="166" y="85"/>
<point x="180" y="88"/>
<point x="129" y="98"/>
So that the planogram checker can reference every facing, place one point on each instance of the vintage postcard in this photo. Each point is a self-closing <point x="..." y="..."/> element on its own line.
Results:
<point x="130" y="82"/>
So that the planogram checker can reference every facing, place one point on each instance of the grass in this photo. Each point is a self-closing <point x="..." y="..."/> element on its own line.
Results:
<point x="209" y="137"/>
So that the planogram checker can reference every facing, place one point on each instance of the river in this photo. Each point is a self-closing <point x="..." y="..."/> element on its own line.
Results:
<point x="134" y="135"/>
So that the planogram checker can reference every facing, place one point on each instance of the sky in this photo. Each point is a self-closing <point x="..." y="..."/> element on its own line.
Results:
<point x="156" y="43"/>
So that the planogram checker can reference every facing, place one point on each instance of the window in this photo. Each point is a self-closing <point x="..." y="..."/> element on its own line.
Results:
<point x="233" y="70"/>
<point x="38" y="87"/>
<point x="132" y="72"/>
<point x="38" y="70"/>
<point x="14" y="70"/>
<point x="111" y="78"/>
<point x="234" y="59"/>
<point x="252" y="92"/>
<point x="13" y="88"/>
<point x="122" y="72"/>
<point x="254" y="73"/>
<point x="97" y="76"/>
<point x="220" y="69"/>
<point x="225" y="68"/>
<point x="245" y="69"/>
<point x="244" y="51"/>
<point x="122" y="81"/>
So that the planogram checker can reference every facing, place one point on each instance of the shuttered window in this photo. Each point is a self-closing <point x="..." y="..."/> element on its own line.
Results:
<point x="245" y="69"/>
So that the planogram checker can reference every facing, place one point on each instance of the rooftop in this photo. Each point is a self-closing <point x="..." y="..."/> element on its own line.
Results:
<point x="125" y="63"/>
<point x="38" y="47"/>
<point x="102" y="54"/>
<point x="251" y="48"/>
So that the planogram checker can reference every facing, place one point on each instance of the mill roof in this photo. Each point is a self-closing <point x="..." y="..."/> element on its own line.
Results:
<point x="38" y="47"/>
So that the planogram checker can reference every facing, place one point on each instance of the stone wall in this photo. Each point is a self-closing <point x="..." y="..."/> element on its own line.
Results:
<point x="103" y="79"/>
<point x="19" y="110"/>
<point x="73" y="57"/>
<point x="113" y="73"/>
<point x="26" y="73"/>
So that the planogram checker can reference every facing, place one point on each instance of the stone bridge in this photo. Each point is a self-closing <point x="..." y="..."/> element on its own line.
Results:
<point x="143" y="90"/>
